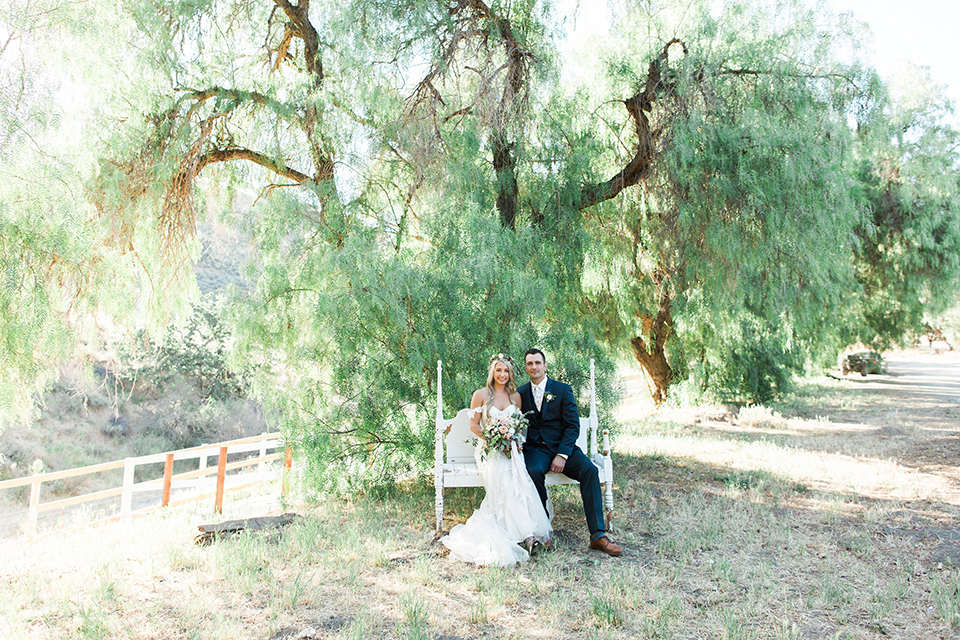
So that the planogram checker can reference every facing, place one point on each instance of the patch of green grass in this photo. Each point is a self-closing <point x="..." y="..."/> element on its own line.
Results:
<point x="661" y="618"/>
<point x="423" y="571"/>
<point x="90" y="622"/>
<point x="360" y="628"/>
<point x="292" y="594"/>
<point x="945" y="591"/>
<point x="788" y="631"/>
<point x="607" y="611"/>
<point x="734" y="627"/>
<point x="478" y="611"/>
<point x="416" y="616"/>
<point x="245" y="561"/>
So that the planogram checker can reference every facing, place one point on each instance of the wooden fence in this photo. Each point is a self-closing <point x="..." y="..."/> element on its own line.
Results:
<point x="262" y="444"/>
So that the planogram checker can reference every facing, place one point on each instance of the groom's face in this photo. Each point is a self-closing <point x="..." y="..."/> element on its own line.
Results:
<point x="535" y="366"/>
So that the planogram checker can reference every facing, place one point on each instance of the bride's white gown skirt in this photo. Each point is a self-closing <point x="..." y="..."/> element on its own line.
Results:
<point x="510" y="513"/>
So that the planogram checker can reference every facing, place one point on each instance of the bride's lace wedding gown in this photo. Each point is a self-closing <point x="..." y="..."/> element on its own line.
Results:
<point x="511" y="512"/>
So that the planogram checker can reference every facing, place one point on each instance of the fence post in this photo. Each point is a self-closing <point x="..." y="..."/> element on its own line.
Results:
<point x="34" y="507"/>
<point x="202" y="479"/>
<point x="221" y="479"/>
<point x="126" y="495"/>
<point x="262" y="467"/>
<point x="167" y="480"/>
<point x="287" y="465"/>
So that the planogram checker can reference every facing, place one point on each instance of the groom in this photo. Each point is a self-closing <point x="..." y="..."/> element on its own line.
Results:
<point x="552" y="444"/>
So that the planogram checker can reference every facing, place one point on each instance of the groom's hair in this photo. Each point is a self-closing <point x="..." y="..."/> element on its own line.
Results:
<point x="532" y="351"/>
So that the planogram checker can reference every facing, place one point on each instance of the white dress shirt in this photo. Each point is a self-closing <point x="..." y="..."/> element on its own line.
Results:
<point x="538" y="392"/>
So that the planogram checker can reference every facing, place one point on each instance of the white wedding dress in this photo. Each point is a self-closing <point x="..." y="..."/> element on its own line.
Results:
<point x="511" y="512"/>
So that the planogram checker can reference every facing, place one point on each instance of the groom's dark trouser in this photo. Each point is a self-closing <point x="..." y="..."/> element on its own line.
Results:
<point x="578" y="468"/>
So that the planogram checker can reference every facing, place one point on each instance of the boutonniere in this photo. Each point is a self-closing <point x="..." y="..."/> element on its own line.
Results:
<point x="548" y="397"/>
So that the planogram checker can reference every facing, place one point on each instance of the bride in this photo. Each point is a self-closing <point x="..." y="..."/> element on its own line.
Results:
<point x="511" y="512"/>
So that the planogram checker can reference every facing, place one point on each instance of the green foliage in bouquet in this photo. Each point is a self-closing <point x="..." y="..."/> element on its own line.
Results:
<point x="500" y="432"/>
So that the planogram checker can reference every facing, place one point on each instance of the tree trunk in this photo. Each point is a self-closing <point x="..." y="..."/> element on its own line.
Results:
<point x="652" y="356"/>
<point x="507" y="192"/>
<point x="656" y="366"/>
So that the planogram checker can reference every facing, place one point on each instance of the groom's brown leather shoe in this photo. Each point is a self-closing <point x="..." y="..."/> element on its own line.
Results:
<point x="604" y="544"/>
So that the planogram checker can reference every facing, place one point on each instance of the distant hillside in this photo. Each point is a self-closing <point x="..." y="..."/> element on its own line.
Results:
<point x="90" y="416"/>
<point x="225" y="255"/>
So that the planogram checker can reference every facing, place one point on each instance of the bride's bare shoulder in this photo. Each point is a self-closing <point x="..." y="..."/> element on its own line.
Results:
<point x="479" y="397"/>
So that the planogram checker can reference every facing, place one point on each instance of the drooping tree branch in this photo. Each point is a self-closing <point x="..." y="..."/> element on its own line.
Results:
<point x="504" y="165"/>
<point x="638" y="106"/>
<point x="475" y="20"/>
<point x="227" y="155"/>
<point x="517" y="73"/>
<point x="230" y="99"/>
<point x="301" y="27"/>
<point x="210" y="140"/>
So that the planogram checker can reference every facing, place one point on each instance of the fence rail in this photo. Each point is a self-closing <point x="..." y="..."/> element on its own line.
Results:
<point x="260" y="444"/>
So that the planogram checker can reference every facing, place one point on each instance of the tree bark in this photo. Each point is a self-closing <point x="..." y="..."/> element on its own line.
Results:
<point x="649" y="349"/>
<point x="504" y="162"/>
<point x="656" y="366"/>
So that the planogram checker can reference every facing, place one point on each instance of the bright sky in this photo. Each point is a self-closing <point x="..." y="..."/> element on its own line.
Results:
<point x="924" y="32"/>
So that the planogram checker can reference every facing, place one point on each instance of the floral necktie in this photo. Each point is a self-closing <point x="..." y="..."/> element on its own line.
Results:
<point x="538" y="396"/>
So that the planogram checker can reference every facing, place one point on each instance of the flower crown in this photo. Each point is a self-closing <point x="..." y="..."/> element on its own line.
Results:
<point x="503" y="357"/>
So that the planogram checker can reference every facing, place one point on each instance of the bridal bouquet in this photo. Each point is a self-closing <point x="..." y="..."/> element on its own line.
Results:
<point x="500" y="431"/>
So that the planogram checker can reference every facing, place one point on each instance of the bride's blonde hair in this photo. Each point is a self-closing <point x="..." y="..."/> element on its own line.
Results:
<point x="510" y="387"/>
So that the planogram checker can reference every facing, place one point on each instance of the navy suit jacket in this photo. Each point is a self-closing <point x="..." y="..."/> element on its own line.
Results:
<point x="557" y="425"/>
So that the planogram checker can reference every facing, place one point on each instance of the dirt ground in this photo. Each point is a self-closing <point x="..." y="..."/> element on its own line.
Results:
<point x="894" y="443"/>
<point x="916" y="418"/>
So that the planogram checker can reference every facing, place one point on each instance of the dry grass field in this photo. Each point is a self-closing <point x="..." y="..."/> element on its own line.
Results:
<point x="830" y="515"/>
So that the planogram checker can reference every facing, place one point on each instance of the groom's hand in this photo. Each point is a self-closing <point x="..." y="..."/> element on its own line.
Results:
<point x="559" y="462"/>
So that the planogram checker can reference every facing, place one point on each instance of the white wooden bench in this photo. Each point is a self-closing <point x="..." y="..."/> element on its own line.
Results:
<point x="455" y="466"/>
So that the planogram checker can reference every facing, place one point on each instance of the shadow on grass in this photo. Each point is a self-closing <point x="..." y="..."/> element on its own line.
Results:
<point x="655" y="493"/>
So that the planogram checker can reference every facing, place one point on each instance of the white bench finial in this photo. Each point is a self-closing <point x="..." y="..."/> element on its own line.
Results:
<point x="439" y="390"/>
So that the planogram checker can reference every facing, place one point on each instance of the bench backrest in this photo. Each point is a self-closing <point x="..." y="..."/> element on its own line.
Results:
<point x="459" y="441"/>
<point x="457" y="444"/>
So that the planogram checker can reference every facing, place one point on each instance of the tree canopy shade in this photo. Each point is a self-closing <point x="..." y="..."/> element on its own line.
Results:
<point x="432" y="180"/>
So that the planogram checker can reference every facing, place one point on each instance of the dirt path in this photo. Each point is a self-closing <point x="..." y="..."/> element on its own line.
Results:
<point x="891" y="437"/>
<point x="917" y="410"/>
<point x="919" y="373"/>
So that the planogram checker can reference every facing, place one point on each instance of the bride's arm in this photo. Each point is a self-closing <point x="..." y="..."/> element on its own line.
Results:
<point x="476" y="409"/>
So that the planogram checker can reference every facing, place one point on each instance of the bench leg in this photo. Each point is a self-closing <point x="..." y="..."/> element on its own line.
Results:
<point x="438" y="464"/>
<point x="438" y="488"/>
